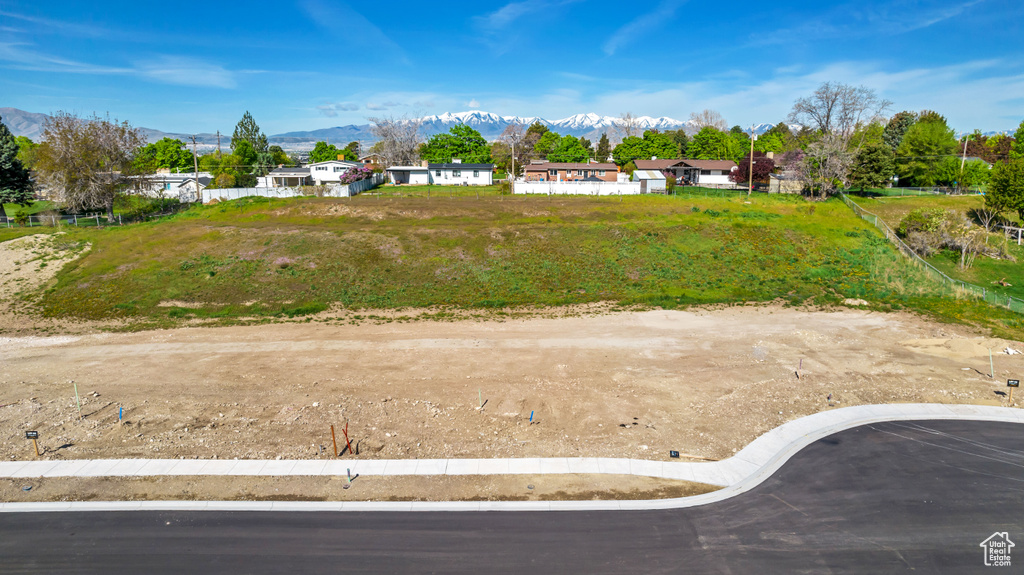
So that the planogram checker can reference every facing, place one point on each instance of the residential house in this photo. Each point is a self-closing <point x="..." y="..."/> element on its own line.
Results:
<point x="289" y="177"/>
<point x="569" y="172"/>
<point x="166" y="184"/>
<point x="415" y="175"/>
<point x="667" y="167"/>
<point x="330" y="172"/>
<point x="704" y="172"/>
<point x="457" y="173"/>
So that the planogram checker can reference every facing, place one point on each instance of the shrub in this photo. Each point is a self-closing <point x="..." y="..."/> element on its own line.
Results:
<point x="921" y="220"/>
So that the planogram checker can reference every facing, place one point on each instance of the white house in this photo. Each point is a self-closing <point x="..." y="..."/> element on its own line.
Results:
<point x="460" y="174"/>
<point x="188" y="191"/>
<point x="705" y="172"/>
<point x="330" y="172"/>
<point x="415" y="175"/>
<point x="288" y="177"/>
<point x="650" y="180"/>
<point x="166" y="185"/>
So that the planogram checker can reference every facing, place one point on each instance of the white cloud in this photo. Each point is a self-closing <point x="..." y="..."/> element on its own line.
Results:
<point x="351" y="27"/>
<point x="186" y="72"/>
<point x="508" y="14"/>
<point x="640" y="27"/>
<point x="473" y="104"/>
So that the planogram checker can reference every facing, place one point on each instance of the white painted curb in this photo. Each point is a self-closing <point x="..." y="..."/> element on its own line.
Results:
<point x="737" y="474"/>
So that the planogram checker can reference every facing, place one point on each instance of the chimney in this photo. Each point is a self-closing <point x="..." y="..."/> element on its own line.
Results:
<point x="424" y="164"/>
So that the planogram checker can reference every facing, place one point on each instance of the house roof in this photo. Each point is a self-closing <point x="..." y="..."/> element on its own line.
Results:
<point x="460" y="166"/>
<point x="408" y="169"/>
<point x="342" y="162"/>
<point x="203" y="181"/>
<point x="569" y="166"/>
<point x="709" y="164"/>
<point x="648" y="175"/>
<point x="290" y="172"/>
<point x="654" y="164"/>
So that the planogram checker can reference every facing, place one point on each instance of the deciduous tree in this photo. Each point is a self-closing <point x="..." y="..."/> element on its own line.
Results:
<point x="397" y="140"/>
<point x="1006" y="188"/>
<point x="168" y="153"/>
<point x="324" y="152"/>
<point x="568" y="149"/>
<point x="1017" y="149"/>
<point x="87" y="163"/>
<point x="710" y="144"/>
<point x="461" y="142"/>
<point x="762" y="169"/>
<point x="924" y="146"/>
<point x="837" y="108"/>
<point x="707" y="119"/>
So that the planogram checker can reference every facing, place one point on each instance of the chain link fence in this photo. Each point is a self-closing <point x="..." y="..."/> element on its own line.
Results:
<point x="990" y="296"/>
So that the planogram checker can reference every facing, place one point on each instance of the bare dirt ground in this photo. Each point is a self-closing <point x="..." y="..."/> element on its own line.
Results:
<point x="704" y="382"/>
<point x="615" y="385"/>
<point x="420" y="488"/>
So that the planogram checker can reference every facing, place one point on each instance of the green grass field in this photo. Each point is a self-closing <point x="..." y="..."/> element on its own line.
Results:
<point x="244" y="258"/>
<point x="11" y="210"/>
<point x="986" y="271"/>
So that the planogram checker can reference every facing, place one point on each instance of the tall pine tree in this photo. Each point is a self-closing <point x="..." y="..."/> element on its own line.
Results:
<point x="15" y="183"/>
<point x="247" y="129"/>
<point x="604" y="149"/>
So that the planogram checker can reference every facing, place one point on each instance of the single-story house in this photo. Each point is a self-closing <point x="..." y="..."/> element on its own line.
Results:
<point x="289" y="177"/>
<point x="704" y="172"/>
<point x="415" y="175"/>
<point x="664" y="166"/>
<point x="167" y="184"/>
<point x="569" y="172"/>
<point x="457" y="173"/>
<point x="330" y="172"/>
<point x="650" y="180"/>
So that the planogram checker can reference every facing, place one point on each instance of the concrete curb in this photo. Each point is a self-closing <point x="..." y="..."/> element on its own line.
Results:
<point x="737" y="474"/>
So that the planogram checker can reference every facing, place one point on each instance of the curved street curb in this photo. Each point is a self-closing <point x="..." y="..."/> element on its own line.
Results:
<point x="737" y="474"/>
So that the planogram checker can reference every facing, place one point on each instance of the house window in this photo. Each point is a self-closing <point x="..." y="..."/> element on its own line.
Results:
<point x="339" y="169"/>
<point x="456" y="173"/>
<point x="705" y="172"/>
<point x="600" y="172"/>
<point x="553" y="172"/>
<point x="437" y="173"/>
<point x="476" y="173"/>
<point x="321" y="168"/>
<point x="167" y="186"/>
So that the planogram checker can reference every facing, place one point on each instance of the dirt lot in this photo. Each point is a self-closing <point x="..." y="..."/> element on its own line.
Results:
<point x="421" y="488"/>
<point x="614" y="385"/>
<point x="633" y="384"/>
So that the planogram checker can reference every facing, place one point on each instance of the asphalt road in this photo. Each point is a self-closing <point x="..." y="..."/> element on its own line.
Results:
<point x="883" y="498"/>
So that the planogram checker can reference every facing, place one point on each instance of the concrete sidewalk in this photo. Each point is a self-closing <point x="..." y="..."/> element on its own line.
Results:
<point x="739" y="473"/>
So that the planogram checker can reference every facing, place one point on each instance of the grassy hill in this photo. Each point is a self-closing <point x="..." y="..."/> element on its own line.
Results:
<point x="254" y="258"/>
<point x="986" y="271"/>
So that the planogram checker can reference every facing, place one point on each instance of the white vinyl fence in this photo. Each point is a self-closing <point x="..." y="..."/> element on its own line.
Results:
<point x="333" y="191"/>
<point x="577" y="188"/>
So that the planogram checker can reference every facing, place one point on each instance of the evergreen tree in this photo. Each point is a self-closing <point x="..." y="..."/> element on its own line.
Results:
<point x="924" y="146"/>
<point x="248" y="130"/>
<point x="873" y="167"/>
<point x="1006" y="188"/>
<point x="604" y="149"/>
<point x="897" y="128"/>
<point x="15" y="183"/>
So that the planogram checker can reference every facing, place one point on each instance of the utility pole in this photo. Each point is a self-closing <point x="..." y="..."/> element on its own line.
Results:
<point x="750" y="179"/>
<point x="963" y="158"/>
<point x="218" y="142"/>
<point x="195" y="160"/>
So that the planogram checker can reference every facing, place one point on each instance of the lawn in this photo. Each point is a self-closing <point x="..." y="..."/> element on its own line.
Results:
<point x="11" y="210"/>
<point x="303" y="255"/>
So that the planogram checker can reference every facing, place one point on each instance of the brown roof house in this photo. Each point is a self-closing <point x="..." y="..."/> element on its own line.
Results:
<point x="570" y="172"/>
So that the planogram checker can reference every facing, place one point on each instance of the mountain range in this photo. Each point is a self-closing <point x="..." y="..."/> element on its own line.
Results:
<point x="490" y="126"/>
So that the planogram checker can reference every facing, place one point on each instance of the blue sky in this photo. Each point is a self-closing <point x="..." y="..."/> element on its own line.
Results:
<point x="307" y="64"/>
